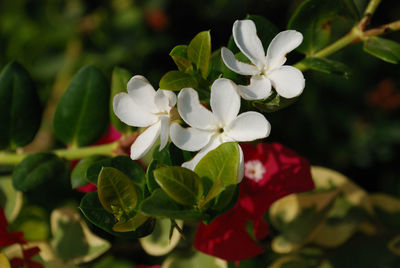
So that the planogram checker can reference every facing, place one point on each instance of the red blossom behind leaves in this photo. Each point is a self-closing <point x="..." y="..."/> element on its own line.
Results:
<point x="26" y="262"/>
<point x="8" y="238"/>
<point x="278" y="172"/>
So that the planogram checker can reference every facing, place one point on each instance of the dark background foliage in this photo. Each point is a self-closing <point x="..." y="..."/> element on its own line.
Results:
<point x="350" y="125"/>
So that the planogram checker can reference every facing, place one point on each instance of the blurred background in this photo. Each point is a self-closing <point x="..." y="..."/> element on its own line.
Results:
<point x="348" y="124"/>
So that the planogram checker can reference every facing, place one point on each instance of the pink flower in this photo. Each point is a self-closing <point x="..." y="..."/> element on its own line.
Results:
<point x="271" y="171"/>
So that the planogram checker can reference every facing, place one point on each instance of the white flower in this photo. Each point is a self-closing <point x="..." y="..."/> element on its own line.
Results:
<point x="142" y="106"/>
<point x="288" y="81"/>
<point x="254" y="170"/>
<point x="210" y="129"/>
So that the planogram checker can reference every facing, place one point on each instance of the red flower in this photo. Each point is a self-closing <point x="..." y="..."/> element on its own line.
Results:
<point x="26" y="261"/>
<point x="271" y="172"/>
<point x="8" y="238"/>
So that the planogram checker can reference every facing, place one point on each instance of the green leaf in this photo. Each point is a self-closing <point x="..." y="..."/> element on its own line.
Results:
<point x="350" y="9"/>
<point x="150" y="180"/>
<point x="316" y="28"/>
<point x="132" y="224"/>
<point x="180" y="57"/>
<point x="78" y="175"/>
<point x="176" y="80"/>
<point x="10" y="199"/>
<point x="159" y="242"/>
<point x="72" y="240"/>
<point x="196" y="259"/>
<point x="181" y="184"/>
<point x="36" y="169"/>
<point x="20" y="113"/>
<point x="383" y="49"/>
<point x="160" y="205"/>
<point x="96" y="214"/>
<point x="119" y="81"/>
<point x="82" y="113"/>
<point x="130" y="168"/>
<point x="117" y="193"/>
<point x="220" y="167"/>
<point x="34" y="222"/>
<point x="326" y="66"/>
<point x="273" y="103"/>
<point x="199" y="52"/>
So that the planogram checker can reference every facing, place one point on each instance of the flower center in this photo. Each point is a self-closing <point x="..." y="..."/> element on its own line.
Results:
<point x="254" y="170"/>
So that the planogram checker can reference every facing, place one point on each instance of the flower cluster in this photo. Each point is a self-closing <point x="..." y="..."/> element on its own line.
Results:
<point x="143" y="106"/>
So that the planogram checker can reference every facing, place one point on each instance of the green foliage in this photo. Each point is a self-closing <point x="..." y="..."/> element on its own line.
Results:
<point x="132" y="224"/>
<point x="34" y="222"/>
<point x="273" y="103"/>
<point x="119" y="80"/>
<point x="199" y="52"/>
<point x="93" y="210"/>
<point x="180" y="184"/>
<point x="316" y="28"/>
<point x="78" y="175"/>
<point x="20" y="112"/>
<point x="383" y="49"/>
<point x="159" y="204"/>
<point x="10" y="199"/>
<point x="82" y="113"/>
<point x="176" y="80"/>
<point x="180" y="57"/>
<point x="326" y="66"/>
<point x="117" y="193"/>
<point x="220" y="167"/>
<point x="37" y="169"/>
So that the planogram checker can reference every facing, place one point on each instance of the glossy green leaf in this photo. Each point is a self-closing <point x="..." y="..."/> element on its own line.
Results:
<point x="20" y="111"/>
<point x="196" y="259"/>
<point x="119" y="81"/>
<point x="34" y="222"/>
<point x="180" y="57"/>
<point x="130" y="168"/>
<point x="96" y="214"/>
<point x="316" y="28"/>
<point x="199" y="52"/>
<point x="326" y="66"/>
<point x="82" y="113"/>
<point x="383" y="49"/>
<point x="150" y="180"/>
<point x="72" y="241"/>
<point x="36" y="169"/>
<point x="181" y="184"/>
<point x="160" y="205"/>
<point x="78" y="175"/>
<point x="117" y="193"/>
<point x="351" y="9"/>
<point x="220" y="167"/>
<point x="131" y="224"/>
<point x="10" y="199"/>
<point x="176" y="80"/>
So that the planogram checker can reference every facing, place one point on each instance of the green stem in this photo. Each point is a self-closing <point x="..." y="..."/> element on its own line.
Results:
<point x="372" y="6"/>
<point x="69" y="154"/>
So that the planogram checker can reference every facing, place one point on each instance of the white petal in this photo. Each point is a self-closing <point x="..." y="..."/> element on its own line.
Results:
<point x="283" y="43"/>
<point x="249" y="126"/>
<point x="241" y="165"/>
<point x="130" y="113"/>
<point x="224" y="101"/>
<point x="245" y="35"/>
<point x="164" y="131"/>
<point x="145" y="141"/>
<point x="189" y="139"/>
<point x="288" y="81"/>
<point x="237" y="66"/>
<point x="258" y="89"/>
<point x="192" y="112"/>
<point x="171" y="97"/>
<point x="140" y="90"/>
<point x="214" y="143"/>
<point x="163" y="99"/>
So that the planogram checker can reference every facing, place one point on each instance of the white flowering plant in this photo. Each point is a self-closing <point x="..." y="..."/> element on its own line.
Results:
<point x="193" y="148"/>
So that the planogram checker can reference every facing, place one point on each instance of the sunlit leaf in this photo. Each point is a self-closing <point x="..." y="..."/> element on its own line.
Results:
<point x="199" y="52"/>
<point x="4" y="261"/>
<point x="196" y="259"/>
<point x="180" y="57"/>
<point x="181" y="184"/>
<point x="10" y="199"/>
<point x="82" y="113"/>
<point x="131" y="224"/>
<point x="176" y="80"/>
<point x="326" y="66"/>
<point x="117" y="193"/>
<point x="20" y="109"/>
